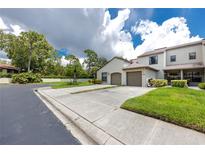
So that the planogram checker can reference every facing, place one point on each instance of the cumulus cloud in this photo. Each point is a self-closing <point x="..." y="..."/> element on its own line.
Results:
<point x="76" y="29"/>
<point x="171" y="32"/>
<point x="10" y="28"/>
<point x="80" y="29"/>
<point x="111" y="39"/>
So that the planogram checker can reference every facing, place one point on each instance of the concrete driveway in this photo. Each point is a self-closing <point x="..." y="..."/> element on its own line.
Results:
<point x="96" y="104"/>
<point x="98" y="113"/>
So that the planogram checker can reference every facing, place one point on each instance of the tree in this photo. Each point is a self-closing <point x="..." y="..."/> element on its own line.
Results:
<point x="28" y="51"/>
<point x="93" y="62"/>
<point x="91" y="59"/>
<point x="101" y="62"/>
<point x="1" y="39"/>
<point x="36" y="47"/>
<point x="74" y="68"/>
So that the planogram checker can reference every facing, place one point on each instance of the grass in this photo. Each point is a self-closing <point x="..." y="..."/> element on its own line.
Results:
<point x="57" y="85"/>
<point x="181" y="106"/>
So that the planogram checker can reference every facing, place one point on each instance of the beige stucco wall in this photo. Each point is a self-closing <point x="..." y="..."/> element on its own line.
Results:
<point x="148" y="74"/>
<point x="116" y="65"/>
<point x="182" y="55"/>
<point x="203" y="54"/>
<point x="159" y="66"/>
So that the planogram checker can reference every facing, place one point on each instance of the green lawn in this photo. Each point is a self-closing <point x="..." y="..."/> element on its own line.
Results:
<point x="57" y="85"/>
<point x="182" y="106"/>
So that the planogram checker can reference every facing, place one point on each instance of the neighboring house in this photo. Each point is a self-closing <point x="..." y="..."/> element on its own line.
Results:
<point x="6" y="68"/>
<point x="186" y="61"/>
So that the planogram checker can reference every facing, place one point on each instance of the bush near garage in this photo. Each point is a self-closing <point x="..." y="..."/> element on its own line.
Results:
<point x="201" y="85"/>
<point x="179" y="83"/>
<point x="159" y="82"/>
<point x="28" y="77"/>
<point x="95" y="81"/>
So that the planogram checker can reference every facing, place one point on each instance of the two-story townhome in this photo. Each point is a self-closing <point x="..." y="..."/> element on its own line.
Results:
<point x="185" y="61"/>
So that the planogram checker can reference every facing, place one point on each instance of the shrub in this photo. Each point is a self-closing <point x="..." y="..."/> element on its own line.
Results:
<point x="201" y="85"/>
<point x="5" y="75"/>
<point x="158" y="82"/>
<point x="24" y="78"/>
<point x="179" y="83"/>
<point x="95" y="81"/>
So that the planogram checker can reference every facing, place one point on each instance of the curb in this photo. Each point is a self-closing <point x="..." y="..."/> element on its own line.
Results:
<point x="92" y="133"/>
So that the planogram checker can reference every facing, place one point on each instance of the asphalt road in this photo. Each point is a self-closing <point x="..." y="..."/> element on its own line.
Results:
<point x="25" y="120"/>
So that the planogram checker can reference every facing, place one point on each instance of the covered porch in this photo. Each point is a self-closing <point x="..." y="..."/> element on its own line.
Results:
<point x="193" y="76"/>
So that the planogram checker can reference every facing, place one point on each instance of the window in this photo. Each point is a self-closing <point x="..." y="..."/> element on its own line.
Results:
<point x="104" y="76"/>
<point x="153" y="60"/>
<point x="192" y="55"/>
<point x="173" y="58"/>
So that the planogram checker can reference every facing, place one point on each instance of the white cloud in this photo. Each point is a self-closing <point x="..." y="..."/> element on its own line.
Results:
<point x="16" y="29"/>
<point x="80" y="29"/>
<point x="10" y="28"/>
<point x="2" y="24"/>
<point x="76" y="29"/>
<point x="171" y="32"/>
<point x="112" y="40"/>
<point x="64" y="62"/>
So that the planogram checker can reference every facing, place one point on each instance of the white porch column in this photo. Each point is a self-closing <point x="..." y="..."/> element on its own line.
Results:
<point x="181" y="74"/>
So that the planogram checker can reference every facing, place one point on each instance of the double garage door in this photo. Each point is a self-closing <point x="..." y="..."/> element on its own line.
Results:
<point x="134" y="78"/>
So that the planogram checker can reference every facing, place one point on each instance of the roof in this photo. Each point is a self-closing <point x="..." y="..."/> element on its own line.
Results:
<point x="7" y="66"/>
<point x="202" y="41"/>
<point x="184" y="66"/>
<point x="120" y="58"/>
<point x="164" y="49"/>
<point x="137" y="65"/>
<point x="156" y="51"/>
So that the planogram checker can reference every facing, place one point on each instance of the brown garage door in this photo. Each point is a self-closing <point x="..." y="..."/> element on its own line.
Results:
<point x="116" y="78"/>
<point x="134" y="78"/>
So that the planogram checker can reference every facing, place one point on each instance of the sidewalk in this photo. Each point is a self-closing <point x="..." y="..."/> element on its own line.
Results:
<point x="98" y="115"/>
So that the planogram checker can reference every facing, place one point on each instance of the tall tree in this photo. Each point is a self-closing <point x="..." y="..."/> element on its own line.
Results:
<point x="72" y="59"/>
<point x="36" y="47"/>
<point x="28" y="51"/>
<point x="93" y="62"/>
<point x="91" y="59"/>
<point x="101" y="62"/>
<point x="74" y="68"/>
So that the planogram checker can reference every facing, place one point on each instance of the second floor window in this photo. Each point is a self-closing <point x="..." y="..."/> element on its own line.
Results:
<point x="173" y="58"/>
<point x="104" y="76"/>
<point x="192" y="55"/>
<point x="153" y="60"/>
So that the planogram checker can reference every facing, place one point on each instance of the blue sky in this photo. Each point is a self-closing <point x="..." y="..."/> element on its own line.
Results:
<point x="193" y="16"/>
<point x="110" y="32"/>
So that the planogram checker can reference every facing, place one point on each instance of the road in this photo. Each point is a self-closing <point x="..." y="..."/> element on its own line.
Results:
<point x="25" y="120"/>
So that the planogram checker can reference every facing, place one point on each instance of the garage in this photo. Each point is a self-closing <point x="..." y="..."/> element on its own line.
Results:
<point x="116" y="78"/>
<point x="134" y="78"/>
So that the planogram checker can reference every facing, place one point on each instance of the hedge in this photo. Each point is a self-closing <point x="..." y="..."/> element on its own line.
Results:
<point x="24" y="78"/>
<point x="158" y="82"/>
<point x="179" y="83"/>
<point x="201" y="85"/>
<point x="5" y="75"/>
<point x="95" y="81"/>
